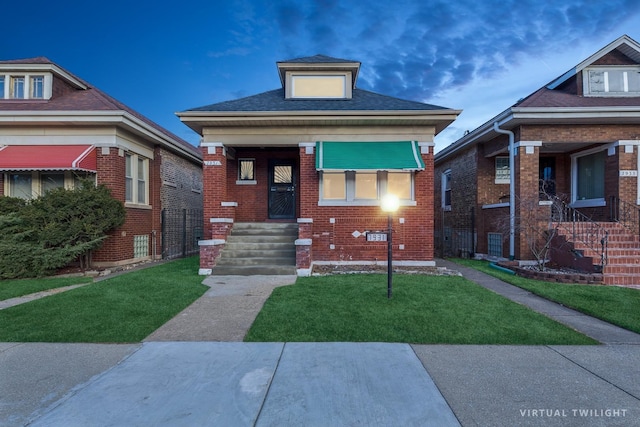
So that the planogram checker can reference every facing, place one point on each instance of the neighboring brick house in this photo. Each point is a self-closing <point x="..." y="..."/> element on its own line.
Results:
<point x="321" y="153"/>
<point x="574" y="140"/>
<point x="56" y="128"/>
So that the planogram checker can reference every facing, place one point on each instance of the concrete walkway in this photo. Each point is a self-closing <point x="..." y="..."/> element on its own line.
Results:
<point x="163" y="382"/>
<point x="225" y="312"/>
<point x="603" y="332"/>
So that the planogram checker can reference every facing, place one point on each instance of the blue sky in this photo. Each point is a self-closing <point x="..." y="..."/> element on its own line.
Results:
<point x="163" y="57"/>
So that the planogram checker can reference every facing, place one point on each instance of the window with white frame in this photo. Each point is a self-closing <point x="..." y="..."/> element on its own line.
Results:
<point x="25" y="86"/>
<point x="20" y="185"/>
<point x="37" y="87"/>
<point x="319" y="86"/>
<point x="446" y="190"/>
<point x="136" y="179"/>
<point x="503" y="171"/>
<point x="364" y="188"/>
<point x="17" y="87"/>
<point x="27" y="185"/>
<point x="612" y="81"/>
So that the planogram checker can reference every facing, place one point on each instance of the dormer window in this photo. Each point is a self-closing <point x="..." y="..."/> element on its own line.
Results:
<point x="17" y="87"/>
<point x="612" y="81"/>
<point x="37" y="87"/>
<point x="319" y="86"/>
<point x="334" y="85"/>
<point x="25" y="86"/>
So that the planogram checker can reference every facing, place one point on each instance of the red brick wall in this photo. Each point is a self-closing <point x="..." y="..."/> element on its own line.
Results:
<point x="1" y="183"/>
<point x="464" y="195"/>
<point x="416" y="233"/>
<point x="253" y="200"/>
<point x="119" y="245"/>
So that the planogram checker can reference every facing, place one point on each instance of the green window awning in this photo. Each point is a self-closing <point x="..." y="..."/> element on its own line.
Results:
<point x="368" y="156"/>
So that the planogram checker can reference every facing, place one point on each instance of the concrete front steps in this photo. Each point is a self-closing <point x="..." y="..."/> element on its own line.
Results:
<point x="264" y="248"/>
<point x="623" y="256"/>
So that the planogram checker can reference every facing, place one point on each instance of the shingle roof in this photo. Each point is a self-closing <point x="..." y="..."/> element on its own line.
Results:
<point x="319" y="59"/>
<point x="545" y="97"/>
<point x="274" y="100"/>
<point x="90" y="99"/>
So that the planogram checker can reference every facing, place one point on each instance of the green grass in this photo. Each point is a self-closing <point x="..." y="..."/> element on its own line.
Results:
<point x="424" y="309"/>
<point x="125" y="308"/>
<point x="614" y="304"/>
<point x="17" y="288"/>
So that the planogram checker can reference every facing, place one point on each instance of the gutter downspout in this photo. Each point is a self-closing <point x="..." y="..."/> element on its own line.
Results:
<point x="512" y="191"/>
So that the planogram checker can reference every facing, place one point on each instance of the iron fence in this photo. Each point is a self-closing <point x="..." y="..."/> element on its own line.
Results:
<point x="181" y="231"/>
<point x="457" y="235"/>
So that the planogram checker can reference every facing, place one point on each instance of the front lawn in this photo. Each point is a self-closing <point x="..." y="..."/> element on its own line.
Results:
<point x="424" y="309"/>
<point x="614" y="304"/>
<point x="20" y="287"/>
<point x="125" y="308"/>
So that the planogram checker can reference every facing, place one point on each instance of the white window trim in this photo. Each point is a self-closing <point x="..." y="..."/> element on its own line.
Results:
<point x="584" y="203"/>
<point x="291" y="76"/>
<point x="36" y="180"/>
<point x="134" y="185"/>
<point x="586" y="88"/>
<point x="46" y="89"/>
<point x="350" y="199"/>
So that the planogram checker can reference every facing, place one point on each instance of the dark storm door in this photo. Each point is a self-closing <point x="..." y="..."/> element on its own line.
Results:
<point x="282" y="190"/>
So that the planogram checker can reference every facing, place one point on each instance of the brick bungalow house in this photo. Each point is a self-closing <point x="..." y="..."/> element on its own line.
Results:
<point x="315" y="157"/>
<point x="56" y="128"/>
<point x="575" y="141"/>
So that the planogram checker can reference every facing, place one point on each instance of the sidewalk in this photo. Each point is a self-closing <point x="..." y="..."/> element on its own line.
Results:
<point x="163" y="382"/>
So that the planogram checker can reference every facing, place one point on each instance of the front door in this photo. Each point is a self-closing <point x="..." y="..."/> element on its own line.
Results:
<point x="282" y="190"/>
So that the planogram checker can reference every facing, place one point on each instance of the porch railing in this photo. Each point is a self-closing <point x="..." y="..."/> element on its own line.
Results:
<point x="625" y="213"/>
<point x="582" y="229"/>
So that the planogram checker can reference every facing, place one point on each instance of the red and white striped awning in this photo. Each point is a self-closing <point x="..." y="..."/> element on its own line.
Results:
<point x="48" y="157"/>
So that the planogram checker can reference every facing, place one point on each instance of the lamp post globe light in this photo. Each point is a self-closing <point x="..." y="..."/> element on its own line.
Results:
<point x="390" y="204"/>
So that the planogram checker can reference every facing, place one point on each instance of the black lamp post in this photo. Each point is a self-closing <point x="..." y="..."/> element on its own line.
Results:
<point x="390" y="204"/>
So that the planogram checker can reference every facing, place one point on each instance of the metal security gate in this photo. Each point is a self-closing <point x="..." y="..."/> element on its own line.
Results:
<point x="457" y="235"/>
<point x="181" y="230"/>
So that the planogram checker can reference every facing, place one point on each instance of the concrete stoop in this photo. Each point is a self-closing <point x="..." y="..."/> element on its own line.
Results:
<point x="259" y="249"/>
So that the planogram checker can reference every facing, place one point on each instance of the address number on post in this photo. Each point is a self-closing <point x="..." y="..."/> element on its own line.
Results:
<point x="376" y="237"/>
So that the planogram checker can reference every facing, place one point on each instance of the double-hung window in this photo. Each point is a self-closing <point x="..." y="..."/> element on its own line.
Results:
<point x="37" y="87"/>
<point x="136" y="179"/>
<point x="1" y="87"/>
<point x="17" y="87"/>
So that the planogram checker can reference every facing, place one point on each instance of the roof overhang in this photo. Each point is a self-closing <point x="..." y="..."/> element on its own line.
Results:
<point x="198" y="120"/>
<point x="118" y="118"/>
<point x="514" y="117"/>
<point x="41" y="68"/>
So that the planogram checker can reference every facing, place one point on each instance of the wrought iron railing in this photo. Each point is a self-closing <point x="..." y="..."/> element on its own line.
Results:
<point x="625" y="213"/>
<point x="581" y="228"/>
